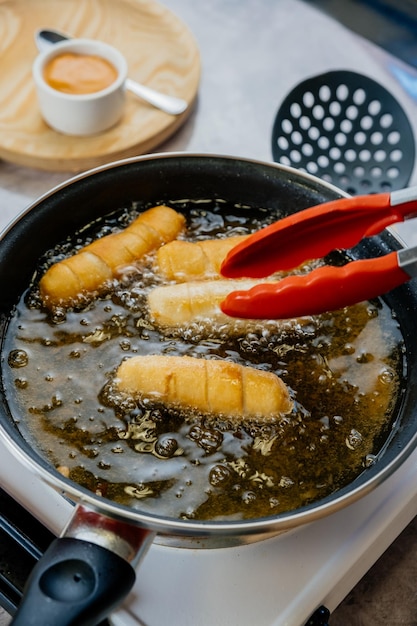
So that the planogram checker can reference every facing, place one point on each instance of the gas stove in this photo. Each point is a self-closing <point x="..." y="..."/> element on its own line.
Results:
<point x="282" y="581"/>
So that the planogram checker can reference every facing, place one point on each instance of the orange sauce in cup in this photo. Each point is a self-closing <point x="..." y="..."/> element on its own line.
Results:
<point x="79" y="73"/>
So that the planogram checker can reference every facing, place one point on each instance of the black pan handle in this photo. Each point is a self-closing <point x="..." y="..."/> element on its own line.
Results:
<point x="75" y="583"/>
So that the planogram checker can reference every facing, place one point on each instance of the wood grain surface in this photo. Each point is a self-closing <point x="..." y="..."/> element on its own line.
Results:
<point x="160" y="50"/>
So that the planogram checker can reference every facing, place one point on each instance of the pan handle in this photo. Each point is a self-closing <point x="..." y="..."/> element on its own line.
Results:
<point x="75" y="582"/>
<point x="84" y="574"/>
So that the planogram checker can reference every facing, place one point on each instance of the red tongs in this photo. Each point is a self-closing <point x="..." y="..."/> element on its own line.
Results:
<point x="313" y="233"/>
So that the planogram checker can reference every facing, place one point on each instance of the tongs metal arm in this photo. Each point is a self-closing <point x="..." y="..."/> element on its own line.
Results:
<point x="283" y="245"/>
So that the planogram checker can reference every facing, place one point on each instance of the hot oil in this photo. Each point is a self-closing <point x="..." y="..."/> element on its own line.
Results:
<point x="341" y="368"/>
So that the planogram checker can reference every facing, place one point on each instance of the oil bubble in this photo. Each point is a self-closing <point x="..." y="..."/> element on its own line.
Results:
<point x="103" y="465"/>
<point x="59" y="316"/>
<point x="370" y="460"/>
<point x="372" y="312"/>
<point x="166" y="447"/>
<point x="354" y="439"/>
<point x="209" y="440"/>
<point x="219" y="475"/>
<point x="365" y="357"/>
<point x="56" y="401"/>
<point x="248" y="497"/>
<point x="18" y="358"/>
<point x="386" y="376"/>
<point x="285" y="482"/>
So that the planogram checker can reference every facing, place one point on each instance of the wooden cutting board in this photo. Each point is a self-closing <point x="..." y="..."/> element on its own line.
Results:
<point x="160" y="50"/>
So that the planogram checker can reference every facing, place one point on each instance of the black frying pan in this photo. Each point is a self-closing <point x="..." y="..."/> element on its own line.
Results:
<point x="79" y="581"/>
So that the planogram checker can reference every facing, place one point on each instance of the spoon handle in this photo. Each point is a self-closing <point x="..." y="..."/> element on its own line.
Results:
<point x="168" y="104"/>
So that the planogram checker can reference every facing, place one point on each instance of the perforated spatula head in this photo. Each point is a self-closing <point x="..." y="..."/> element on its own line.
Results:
<point x="347" y="129"/>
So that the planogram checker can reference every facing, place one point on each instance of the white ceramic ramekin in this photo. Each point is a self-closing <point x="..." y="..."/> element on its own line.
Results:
<point x="81" y="114"/>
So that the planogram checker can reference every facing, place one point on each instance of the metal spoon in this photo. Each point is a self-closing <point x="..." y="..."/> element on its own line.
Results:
<point x="175" y="106"/>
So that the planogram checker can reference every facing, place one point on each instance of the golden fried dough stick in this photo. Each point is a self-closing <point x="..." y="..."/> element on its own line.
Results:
<point x="211" y="387"/>
<point x="180" y="304"/>
<point x="85" y="273"/>
<point x="185" y="260"/>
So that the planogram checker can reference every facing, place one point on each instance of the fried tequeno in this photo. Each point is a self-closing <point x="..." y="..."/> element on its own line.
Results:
<point x="179" y="304"/>
<point x="211" y="387"/>
<point x="185" y="260"/>
<point x="85" y="273"/>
